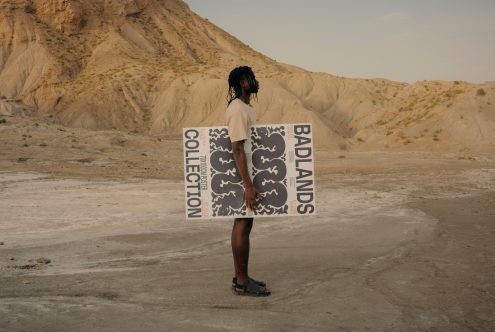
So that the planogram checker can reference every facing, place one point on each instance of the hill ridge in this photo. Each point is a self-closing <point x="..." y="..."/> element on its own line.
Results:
<point x="155" y="66"/>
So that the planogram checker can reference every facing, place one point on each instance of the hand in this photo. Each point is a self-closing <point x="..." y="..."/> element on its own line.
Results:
<point x="251" y="195"/>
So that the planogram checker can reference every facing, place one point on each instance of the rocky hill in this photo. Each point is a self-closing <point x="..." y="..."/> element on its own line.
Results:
<point x="154" y="66"/>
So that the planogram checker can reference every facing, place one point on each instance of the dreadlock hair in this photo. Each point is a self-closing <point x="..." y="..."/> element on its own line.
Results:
<point x="235" y="77"/>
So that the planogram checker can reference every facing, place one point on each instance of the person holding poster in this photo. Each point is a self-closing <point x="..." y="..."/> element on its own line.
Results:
<point x="239" y="117"/>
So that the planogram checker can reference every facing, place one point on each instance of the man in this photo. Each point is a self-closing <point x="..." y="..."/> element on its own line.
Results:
<point x="239" y="117"/>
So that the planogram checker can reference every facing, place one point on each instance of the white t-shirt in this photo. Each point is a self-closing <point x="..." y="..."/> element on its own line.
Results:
<point x="238" y="118"/>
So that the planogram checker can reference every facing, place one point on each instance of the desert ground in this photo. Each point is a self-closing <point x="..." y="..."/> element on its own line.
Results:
<point x="93" y="97"/>
<point x="93" y="238"/>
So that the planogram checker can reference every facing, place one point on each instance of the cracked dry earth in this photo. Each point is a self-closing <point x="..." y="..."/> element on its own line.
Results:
<point x="403" y="244"/>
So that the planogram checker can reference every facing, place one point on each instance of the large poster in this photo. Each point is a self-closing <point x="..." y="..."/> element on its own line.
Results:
<point x="280" y="162"/>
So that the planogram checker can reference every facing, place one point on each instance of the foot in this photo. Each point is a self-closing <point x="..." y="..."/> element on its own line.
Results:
<point x="250" y="289"/>
<point x="258" y="282"/>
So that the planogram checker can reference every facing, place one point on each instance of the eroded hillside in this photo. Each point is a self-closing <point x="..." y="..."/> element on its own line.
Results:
<point x="154" y="66"/>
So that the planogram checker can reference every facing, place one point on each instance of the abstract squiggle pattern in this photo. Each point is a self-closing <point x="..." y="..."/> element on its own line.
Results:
<point x="269" y="169"/>
<point x="226" y="184"/>
<point x="269" y="173"/>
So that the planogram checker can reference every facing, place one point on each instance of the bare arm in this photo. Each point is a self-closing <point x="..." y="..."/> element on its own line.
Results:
<point x="250" y="192"/>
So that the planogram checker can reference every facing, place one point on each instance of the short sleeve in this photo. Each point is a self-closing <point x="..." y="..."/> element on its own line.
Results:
<point x="237" y="124"/>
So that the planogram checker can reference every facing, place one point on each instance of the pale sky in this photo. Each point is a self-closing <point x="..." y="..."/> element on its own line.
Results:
<point x="402" y="40"/>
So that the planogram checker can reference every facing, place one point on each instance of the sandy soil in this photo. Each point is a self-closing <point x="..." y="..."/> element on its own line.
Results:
<point x="401" y="243"/>
<point x="93" y="237"/>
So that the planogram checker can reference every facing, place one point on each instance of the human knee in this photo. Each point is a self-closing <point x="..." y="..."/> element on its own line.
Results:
<point x="244" y="220"/>
<point x="244" y="223"/>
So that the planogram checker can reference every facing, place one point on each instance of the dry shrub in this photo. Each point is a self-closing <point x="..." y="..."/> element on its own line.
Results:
<point x="480" y="92"/>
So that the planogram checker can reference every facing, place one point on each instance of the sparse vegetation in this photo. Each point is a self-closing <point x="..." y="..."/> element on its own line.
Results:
<point x="480" y="92"/>
<point x="466" y="158"/>
<point x="359" y="139"/>
<point x="86" y="160"/>
<point x="341" y="157"/>
<point x="29" y="9"/>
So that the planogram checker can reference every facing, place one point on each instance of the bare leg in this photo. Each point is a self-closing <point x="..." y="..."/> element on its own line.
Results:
<point x="240" y="247"/>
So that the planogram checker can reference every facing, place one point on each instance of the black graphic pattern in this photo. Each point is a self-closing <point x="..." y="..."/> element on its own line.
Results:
<point x="269" y="169"/>
<point x="269" y="173"/>
<point x="226" y="183"/>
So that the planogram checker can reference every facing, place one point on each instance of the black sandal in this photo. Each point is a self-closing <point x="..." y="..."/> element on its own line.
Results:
<point x="257" y="282"/>
<point x="250" y="289"/>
